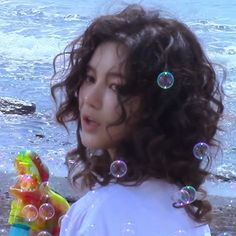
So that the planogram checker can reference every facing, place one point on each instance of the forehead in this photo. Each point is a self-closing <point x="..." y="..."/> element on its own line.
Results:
<point x="109" y="56"/>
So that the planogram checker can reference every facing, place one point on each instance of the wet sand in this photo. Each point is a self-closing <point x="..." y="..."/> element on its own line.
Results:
<point x="224" y="209"/>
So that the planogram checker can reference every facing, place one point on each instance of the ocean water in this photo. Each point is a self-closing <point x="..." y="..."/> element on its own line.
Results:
<point x="33" y="32"/>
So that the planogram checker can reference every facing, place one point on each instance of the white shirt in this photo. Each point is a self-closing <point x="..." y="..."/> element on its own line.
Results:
<point x="143" y="210"/>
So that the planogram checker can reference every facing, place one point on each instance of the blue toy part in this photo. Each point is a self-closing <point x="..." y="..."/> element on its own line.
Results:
<point x="19" y="230"/>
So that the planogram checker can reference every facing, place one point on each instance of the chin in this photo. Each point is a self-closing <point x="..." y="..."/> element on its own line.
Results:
<point x="88" y="144"/>
<point x="94" y="142"/>
<point x="91" y="144"/>
<point x="95" y="145"/>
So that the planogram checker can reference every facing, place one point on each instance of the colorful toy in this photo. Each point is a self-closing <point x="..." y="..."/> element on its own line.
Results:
<point x="36" y="207"/>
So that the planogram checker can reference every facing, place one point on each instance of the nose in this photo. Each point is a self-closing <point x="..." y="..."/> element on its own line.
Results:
<point x="93" y="96"/>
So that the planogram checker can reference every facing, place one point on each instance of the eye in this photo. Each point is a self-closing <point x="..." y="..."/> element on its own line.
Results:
<point x="89" y="79"/>
<point x="114" y="87"/>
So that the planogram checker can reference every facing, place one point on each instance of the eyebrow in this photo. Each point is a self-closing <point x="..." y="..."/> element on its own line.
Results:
<point x="112" y="74"/>
<point x="89" y="67"/>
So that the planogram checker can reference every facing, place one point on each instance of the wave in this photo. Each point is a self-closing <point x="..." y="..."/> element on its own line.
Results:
<point x="207" y="25"/>
<point x="36" y="33"/>
<point x="40" y="13"/>
<point x="29" y="48"/>
<point x="227" y="171"/>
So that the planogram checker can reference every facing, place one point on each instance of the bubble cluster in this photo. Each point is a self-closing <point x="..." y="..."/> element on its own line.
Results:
<point x="30" y="212"/>
<point x="201" y="151"/>
<point x="26" y="183"/>
<point x="165" y="80"/>
<point x="184" y="196"/>
<point x="118" y="168"/>
<point x="46" y="211"/>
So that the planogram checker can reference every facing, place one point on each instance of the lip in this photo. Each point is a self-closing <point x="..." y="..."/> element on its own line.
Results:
<point x="89" y="124"/>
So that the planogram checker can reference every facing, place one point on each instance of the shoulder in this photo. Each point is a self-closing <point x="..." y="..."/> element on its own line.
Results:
<point x="145" y="209"/>
<point x="88" y="211"/>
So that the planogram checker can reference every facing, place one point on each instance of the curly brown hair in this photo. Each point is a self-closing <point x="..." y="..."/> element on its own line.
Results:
<point x="171" y="122"/>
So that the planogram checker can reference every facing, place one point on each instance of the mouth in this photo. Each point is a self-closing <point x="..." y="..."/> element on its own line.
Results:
<point x="89" y="123"/>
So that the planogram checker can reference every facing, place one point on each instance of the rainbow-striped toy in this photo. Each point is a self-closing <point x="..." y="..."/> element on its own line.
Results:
<point x="36" y="207"/>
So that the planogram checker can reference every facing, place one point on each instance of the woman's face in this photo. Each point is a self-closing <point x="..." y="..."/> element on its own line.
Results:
<point x="98" y="103"/>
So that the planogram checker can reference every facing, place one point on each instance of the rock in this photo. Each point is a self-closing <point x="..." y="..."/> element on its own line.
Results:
<point x="39" y="135"/>
<point x="15" y="106"/>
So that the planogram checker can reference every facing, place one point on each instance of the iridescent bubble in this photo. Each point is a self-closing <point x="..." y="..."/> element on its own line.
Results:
<point x="26" y="183"/>
<point x="165" y="80"/>
<point x="3" y="232"/>
<point x="201" y="151"/>
<point x="30" y="212"/>
<point x="185" y="196"/>
<point x="46" y="211"/>
<point x="128" y="229"/>
<point x="118" y="168"/>
<point x="191" y="194"/>
<point x="44" y="233"/>
<point x="180" y="197"/>
<point x="225" y="234"/>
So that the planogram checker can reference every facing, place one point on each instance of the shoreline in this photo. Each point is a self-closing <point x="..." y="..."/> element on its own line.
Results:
<point x="224" y="208"/>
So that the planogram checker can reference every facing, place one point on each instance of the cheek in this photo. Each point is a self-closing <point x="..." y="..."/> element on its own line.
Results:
<point x="80" y="98"/>
<point x="112" y="108"/>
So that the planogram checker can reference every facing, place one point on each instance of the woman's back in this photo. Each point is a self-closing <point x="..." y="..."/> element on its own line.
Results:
<point x="118" y="210"/>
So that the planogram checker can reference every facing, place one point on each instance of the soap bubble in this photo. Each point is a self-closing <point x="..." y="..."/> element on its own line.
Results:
<point x="46" y="211"/>
<point x="44" y="233"/>
<point x="184" y="196"/>
<point x="3" y="232"/>
<point x="118" y="168"/>
<point x="191" y="194"/>
<point x="26" y="183"/>
<point x="128" y="229"/>
<point x="165" y="80"/>
<point x="30" y="212"/>
<point x="201" y="151"/>
<point x="179" y="197"/>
